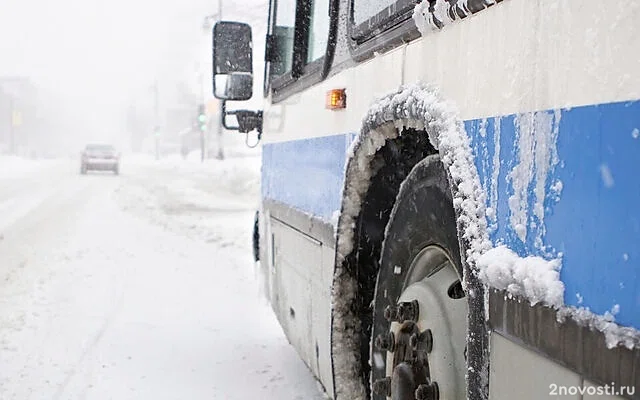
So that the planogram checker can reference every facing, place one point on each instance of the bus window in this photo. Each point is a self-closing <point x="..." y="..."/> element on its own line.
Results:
<point x="319" y="30"/>
<point x="371" y="17"/>
<point x="366" y="9"/>
<point x="283" y="31"/>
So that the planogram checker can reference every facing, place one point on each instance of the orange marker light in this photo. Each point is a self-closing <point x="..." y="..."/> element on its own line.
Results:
<point x="336" y="99"/>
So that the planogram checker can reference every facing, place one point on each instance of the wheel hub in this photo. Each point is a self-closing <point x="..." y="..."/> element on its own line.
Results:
<point x="427" y="334"/>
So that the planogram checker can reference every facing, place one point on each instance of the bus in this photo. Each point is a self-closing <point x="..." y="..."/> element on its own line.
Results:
<point x="450" y="192"/>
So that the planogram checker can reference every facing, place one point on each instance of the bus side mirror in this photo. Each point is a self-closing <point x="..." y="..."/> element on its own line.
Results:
<point x="232" y="61"/>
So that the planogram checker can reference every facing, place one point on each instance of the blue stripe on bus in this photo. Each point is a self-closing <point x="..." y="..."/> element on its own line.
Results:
<point x="306" y="174"/>
<point x="594" y="222"/>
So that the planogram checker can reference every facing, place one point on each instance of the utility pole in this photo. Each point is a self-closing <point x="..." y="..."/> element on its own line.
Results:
<point x="156" y="116"/>
<point x="220" y="155"/>
<point x="219" y="133"/>
<point x="16" y="121"/>
<point x="12" y="141"/>
<point x="203" y="125"/>
<point x="202" y="119"/>
<point x="202" y="147"/>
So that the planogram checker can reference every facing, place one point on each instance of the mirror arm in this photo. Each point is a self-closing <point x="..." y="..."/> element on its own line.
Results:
<point x="223" y="115"/>
<point x="247" y="121"/>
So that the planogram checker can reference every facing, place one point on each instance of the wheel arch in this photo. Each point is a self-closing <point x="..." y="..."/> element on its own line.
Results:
<point x="398" y="131"/>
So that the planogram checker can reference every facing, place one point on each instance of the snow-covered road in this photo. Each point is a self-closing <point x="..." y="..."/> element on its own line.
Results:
<point x="138" y="286"/>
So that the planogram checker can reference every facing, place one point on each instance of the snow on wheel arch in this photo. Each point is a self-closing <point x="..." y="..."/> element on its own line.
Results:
<point x="422" y="108"/>
<point x="533" y="278"/>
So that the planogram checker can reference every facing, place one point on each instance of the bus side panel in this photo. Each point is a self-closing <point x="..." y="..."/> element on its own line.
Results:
<point x="306" y="174"/>
<point x="596" y="224"/>
<point x="524" y="56"/>
<point x="559" y="91"/>
<point x="321" y="307"/>
<point x="565" y="183"/>
<point x="301" y="189"/>
<point x="301" y="271"/>
<point x="296" y="257"/>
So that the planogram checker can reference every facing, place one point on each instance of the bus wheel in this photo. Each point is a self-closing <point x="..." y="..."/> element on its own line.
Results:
<point x="420" y="311"/>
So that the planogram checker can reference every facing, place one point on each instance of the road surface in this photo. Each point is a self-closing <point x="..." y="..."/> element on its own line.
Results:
<point x="138" y="286"/>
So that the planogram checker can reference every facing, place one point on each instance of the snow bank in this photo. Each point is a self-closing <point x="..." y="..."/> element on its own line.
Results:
<point x="197" y="199"/>
<point x="14" y="166"/>
<point x="237" y="174"/>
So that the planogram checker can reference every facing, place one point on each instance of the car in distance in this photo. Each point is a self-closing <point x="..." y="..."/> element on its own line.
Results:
<point x="100" y="157"/>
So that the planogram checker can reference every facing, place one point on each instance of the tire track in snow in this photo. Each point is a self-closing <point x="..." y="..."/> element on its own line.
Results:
<point x="30" y="253"/>
<point x="89" y="349"/>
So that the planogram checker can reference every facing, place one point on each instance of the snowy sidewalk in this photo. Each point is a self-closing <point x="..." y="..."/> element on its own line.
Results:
<point x="15" y="167"/>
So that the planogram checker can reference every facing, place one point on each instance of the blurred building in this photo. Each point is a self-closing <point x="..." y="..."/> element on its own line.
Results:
<point x="20" y="120"/>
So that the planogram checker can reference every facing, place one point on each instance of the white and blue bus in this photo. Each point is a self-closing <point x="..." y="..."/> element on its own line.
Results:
<point x="450" y="193"/>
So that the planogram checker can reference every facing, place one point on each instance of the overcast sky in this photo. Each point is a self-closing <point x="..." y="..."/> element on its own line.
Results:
<point x="102" y="54"/>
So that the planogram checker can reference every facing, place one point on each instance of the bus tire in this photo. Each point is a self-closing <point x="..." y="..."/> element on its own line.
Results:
<point x="418" y="295"/>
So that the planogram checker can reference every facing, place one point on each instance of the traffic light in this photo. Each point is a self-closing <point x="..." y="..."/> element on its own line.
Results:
<point x="202" y="117"/>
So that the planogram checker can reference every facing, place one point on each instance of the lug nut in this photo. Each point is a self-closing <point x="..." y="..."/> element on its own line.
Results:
<point x="429" y="391"/>
<point x="386" y="341"/>
<point x="391" y="314"/>
<point x="425" y="338"/>
<point x="382" y="386"/>
<point x="408" y="311"/>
